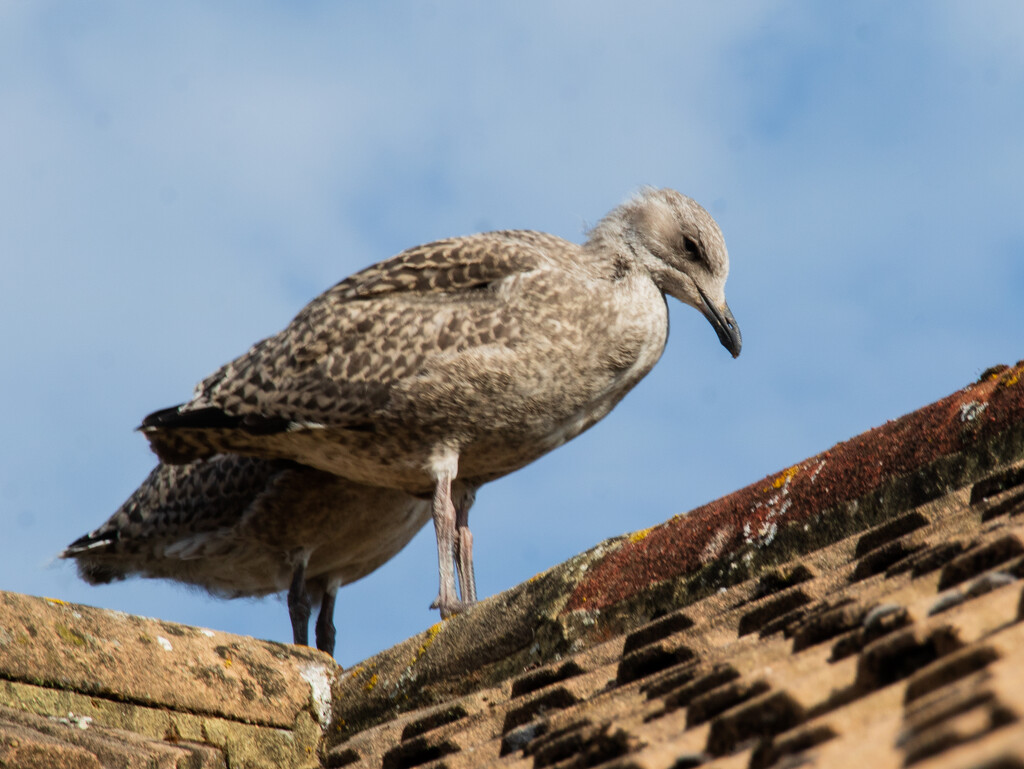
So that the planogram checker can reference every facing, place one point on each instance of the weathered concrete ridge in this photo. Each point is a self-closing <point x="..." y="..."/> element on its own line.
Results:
<point x="257" y="702"/>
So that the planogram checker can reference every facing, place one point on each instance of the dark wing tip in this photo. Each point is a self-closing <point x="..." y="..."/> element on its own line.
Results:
<point x="212" y="418"/>
<point x="181" y="436"/>
<point x="175" y="417"/>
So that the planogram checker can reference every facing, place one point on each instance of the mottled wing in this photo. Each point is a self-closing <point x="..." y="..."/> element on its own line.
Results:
<point x="337" y="362"/>
<point x="176" y="504"/>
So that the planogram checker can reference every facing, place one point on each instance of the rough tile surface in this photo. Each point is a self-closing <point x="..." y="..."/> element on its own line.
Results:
<point x="89" y="671"/>
<point x="861" y="606"/>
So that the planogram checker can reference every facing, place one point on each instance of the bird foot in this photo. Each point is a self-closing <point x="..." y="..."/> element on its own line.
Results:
<point x="450" y="608"/>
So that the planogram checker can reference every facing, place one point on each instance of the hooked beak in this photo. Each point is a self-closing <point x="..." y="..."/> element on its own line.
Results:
<point x="724" y="324"/>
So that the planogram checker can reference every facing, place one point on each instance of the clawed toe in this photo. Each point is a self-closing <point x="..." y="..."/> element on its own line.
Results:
<point x="451" y="608"/>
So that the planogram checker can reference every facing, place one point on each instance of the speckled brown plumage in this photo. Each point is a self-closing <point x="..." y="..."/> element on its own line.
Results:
<point x="462" y="360"/>
<point x="242" y="526"/>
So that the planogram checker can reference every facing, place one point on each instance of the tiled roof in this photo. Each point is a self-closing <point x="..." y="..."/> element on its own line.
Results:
<point x="861" y="607"/>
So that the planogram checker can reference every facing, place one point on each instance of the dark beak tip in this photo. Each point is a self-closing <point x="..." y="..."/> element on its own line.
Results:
<point x="724" y="324"/>
<point x="730" y="337"/>
<point x="737" y="341"/>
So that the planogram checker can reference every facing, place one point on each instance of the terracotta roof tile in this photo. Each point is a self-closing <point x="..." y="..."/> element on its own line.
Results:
<point x="862" y="606"/>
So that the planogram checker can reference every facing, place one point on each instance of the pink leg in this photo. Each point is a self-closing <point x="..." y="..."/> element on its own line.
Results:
<point x="464" y="553"/>
<point x="444" y="527"/>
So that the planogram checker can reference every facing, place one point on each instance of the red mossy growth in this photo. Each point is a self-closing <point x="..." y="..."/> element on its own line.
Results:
<point x="847" y="471"/>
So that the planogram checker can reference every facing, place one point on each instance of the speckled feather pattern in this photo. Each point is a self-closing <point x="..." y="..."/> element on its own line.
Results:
<point x="234" y="525"/>
<point x="497" y="347"/>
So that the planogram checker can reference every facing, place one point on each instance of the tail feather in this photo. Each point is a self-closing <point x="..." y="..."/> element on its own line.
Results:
<point x="100" y="573"/>
<point x="89" y="551"/>
<point x="89" y="543"/>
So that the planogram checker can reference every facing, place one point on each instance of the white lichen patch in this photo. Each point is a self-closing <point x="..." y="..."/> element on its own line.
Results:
<point x="971" y="411"/>
<point x="713" y="549"/>
<point x="767" y="532"/>
<point x="319" y="679"/>
<point x="764" y="535"/>
<point x="82" y="722"/>
<point x="776" y="506"/>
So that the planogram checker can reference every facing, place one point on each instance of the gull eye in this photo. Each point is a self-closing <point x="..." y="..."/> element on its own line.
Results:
<point x="690" y="248"/>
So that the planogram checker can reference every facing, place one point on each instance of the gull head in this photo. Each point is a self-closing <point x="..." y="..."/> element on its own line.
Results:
<point x="677" y="242"/>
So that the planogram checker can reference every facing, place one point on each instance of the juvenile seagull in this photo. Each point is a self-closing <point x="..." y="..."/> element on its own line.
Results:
<point x="456" y="362"/>
<point x="241" y="526"/>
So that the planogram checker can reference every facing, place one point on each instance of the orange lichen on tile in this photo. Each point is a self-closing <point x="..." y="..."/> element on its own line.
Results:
<point x="783" y="478"/>
<point x="922" y="443"/>
<point x="639" y="536"/>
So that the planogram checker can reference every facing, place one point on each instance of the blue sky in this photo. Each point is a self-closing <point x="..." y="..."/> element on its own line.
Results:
<point x="177" y="180"/>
